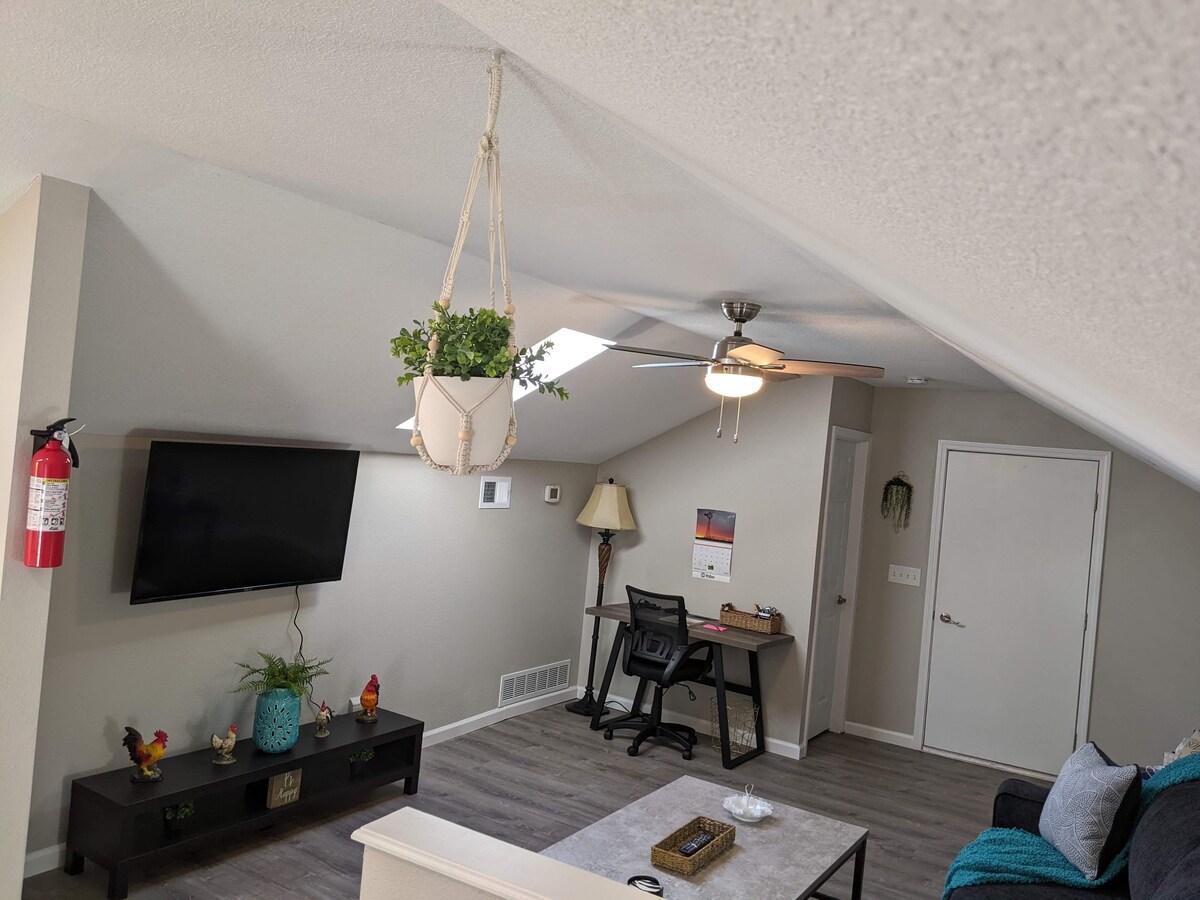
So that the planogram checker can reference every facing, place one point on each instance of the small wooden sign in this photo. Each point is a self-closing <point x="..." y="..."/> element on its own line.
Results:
<point x="284" y="789"/>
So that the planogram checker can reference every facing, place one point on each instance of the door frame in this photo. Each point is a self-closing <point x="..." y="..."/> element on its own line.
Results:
<point x="1104" y="460"/>
<point x="845" y="635"/>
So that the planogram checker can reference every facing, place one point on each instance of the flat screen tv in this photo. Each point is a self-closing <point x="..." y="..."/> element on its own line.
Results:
<point x="222" y="518"/>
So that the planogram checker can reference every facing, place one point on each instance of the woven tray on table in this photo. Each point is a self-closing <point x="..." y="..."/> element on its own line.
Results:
<point x="736" y="618"/>
<point x="665" y="854"/>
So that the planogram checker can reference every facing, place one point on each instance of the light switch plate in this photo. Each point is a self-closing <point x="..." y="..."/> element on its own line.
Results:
<point x="904" y="575"/>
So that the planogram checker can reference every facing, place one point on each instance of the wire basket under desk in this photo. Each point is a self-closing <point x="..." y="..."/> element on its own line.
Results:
<point x="743" y="723"/>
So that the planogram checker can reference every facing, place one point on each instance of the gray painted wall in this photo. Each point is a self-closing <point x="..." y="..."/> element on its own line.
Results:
<point x="852" y="404"/>
<point x="1147" y="653"/>
<point x="773" y="479"/>
<point x="41" y="257"/>
<point x="438" y="598"/>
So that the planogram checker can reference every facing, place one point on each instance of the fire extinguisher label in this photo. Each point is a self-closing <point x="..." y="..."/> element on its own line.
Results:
<point x="47" y="504"/>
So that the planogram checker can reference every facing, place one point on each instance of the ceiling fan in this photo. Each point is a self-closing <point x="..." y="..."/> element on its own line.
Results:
<point x="738" y="366"/>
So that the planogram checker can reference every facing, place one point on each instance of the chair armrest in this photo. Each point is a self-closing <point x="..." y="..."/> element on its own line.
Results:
<point x="1018" y="804"/>
<point x="681" y="654"/>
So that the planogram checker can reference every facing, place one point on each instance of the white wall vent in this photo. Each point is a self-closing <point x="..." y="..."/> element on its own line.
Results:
<point x="534" y="682"/>
<point x="494" y="491"/>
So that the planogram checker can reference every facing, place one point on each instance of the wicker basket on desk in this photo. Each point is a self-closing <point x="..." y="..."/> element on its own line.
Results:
<point x="665" y="854"/>
<point x="736" y="618"/>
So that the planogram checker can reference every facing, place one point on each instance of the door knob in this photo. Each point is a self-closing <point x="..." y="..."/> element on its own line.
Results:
<point x="945" y="617"/>
<point x="841" y="600"/>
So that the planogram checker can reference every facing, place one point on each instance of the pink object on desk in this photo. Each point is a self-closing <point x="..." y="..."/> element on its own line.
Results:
<point x="712" y="627"/>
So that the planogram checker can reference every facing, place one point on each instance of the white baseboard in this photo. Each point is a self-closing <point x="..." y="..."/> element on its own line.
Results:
<point x="492" y="716"/>
<point x="702" y="725"/>
<point x="48" y="858"/>
<point x="987" y="763"/>
<point x="899" y="738"/>
<point x="45" y="860"/>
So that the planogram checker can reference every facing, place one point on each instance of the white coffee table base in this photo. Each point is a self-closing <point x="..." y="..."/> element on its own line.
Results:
<point x="791" y="854"/>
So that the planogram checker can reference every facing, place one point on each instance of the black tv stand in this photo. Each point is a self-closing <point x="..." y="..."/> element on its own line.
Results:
<point x="117" y="823"/>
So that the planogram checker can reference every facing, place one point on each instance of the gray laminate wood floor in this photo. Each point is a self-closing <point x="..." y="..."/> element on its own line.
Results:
<point x="535" y="779"/>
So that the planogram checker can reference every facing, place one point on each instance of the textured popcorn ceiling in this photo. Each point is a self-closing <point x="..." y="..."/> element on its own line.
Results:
<point x="1021" y="177"/>
<point x="1015" y="177"/>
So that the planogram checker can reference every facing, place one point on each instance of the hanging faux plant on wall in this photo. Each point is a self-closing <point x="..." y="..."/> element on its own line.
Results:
<point x="897" y="501"/>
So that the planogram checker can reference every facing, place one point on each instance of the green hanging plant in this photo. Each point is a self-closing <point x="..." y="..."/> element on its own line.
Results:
<point x="897" y="501"/>
<point x="473" y="344"/>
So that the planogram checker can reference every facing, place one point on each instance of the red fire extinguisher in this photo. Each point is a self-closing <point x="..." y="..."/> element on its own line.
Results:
<point x="49" y="476"/>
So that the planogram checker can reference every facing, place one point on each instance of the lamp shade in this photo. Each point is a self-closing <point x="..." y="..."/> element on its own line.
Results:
<point x="608" y="509"/>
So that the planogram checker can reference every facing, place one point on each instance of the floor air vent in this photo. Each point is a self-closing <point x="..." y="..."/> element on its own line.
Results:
<point x="532" y="682"/>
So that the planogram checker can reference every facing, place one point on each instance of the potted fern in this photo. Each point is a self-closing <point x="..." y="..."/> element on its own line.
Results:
<point x="469" y="355"/>
<point x="280" y="685"/>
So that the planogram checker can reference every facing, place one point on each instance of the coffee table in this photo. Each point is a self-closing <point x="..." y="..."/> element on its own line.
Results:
<point x="791" y="853"/>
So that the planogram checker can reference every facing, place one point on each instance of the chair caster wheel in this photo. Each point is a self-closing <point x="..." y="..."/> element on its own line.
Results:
<point x="608" y="734"/>
<point x="687" y="754"/>
<point x="632" y="751"/>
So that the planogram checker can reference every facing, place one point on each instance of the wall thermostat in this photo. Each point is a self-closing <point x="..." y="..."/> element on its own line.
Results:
<point x="553" y="493"/>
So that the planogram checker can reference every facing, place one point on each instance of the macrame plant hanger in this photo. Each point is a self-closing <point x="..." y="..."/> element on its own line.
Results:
<point x="487" y="158"/>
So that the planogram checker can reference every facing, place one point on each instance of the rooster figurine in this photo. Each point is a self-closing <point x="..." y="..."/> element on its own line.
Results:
<point x="369" y="700"/>
<point x="224" y="747"/>
<point x="145" y="756"/>
<point x="323" y="717"/>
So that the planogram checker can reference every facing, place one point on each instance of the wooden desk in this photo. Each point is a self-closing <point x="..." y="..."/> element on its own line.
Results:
<point x="750" y="641"/>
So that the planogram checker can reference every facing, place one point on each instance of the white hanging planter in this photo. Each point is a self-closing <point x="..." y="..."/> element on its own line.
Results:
<point x="469" y="426"/>
<point x="488" y="401"/>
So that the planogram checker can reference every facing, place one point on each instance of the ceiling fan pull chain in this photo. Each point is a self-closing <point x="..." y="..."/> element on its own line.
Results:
<point x="721" y="417"/>
<point x="738" y="422"/>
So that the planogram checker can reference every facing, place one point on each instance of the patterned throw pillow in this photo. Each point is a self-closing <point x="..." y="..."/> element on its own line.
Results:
<point x="1090" y="812"/>
<point x="1188" y="745"/>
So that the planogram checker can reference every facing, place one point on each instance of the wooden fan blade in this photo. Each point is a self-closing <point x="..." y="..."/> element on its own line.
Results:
<point x="669" y="354"/>
<point x="683" y="365"/>
<point x="776" y="375"/>
<point x="755" y="354"/>
<point x="815" y="367"/>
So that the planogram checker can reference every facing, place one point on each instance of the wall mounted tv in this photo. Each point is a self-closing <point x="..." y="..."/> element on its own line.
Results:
<point x="222" y="518"/>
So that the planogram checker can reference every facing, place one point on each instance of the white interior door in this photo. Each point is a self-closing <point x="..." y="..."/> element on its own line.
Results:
<point x="1010" y="607"/>
<point x="830" y="599"/>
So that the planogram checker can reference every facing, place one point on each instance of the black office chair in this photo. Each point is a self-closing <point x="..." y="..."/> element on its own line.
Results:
<point x="656" y="649"/>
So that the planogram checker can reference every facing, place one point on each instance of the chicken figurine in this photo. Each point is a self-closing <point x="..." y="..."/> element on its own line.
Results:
<point x="323" y="717"/>
<point x="145" y="756"/>
<point x="224" y="747"/>
<point x="370" y="701"/>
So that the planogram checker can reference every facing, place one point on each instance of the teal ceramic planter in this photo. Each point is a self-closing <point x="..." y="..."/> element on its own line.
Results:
<point x="276" y="721"/>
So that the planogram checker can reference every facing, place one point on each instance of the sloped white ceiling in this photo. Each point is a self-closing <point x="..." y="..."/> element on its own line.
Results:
<point x="215" y="304"/>
<point x="373" y="108"/>
<point x="1020" y="177"/>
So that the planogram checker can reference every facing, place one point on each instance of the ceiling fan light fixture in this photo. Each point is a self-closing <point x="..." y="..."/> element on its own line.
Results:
<point x="732" y="381"/>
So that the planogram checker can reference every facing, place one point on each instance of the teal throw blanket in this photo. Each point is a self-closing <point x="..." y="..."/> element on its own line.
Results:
<point x="1014" y="856"/>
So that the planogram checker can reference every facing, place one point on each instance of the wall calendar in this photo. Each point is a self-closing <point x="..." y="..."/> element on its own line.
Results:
<point x="712" y="549"/>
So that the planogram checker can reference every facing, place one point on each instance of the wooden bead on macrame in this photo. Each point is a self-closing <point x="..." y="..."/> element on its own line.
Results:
<point x="444" y="303"/>
<point x="464" y="435"/>
<point x="509" y="309"/>
<point x="434" y="345"/>
<point x="511" y="440"/>
<point x="512" y="349"/>
<point x="416" y="440"/>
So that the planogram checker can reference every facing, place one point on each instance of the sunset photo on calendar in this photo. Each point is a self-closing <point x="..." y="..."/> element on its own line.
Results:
<point x="715" y="525"/>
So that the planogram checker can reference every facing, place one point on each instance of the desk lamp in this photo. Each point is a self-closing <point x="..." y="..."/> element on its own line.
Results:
<point x="607" y="510"/>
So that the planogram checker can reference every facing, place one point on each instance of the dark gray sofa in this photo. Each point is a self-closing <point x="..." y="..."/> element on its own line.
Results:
<point x="1164" y="857"/>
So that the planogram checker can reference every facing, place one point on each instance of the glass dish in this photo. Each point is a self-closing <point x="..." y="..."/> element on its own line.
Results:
<point x="747" y="808"/>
